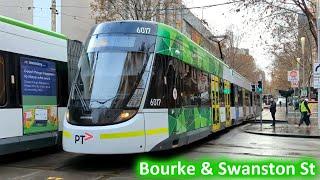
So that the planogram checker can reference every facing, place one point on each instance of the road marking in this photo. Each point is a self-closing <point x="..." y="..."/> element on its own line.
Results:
<point x="55" y="178"/>
<point x="27" y="175"/>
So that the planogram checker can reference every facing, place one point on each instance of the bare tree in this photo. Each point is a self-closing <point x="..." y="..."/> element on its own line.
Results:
<point x="107" y="10"/>
<point x="277" y="13"/>
<point x="239" y="59"/>
<point x="287" y="20"/>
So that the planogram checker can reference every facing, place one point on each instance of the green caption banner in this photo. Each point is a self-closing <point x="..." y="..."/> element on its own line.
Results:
<point x="306" y="168"/>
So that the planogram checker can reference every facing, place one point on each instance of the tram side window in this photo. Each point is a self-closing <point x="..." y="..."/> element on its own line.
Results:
<point x="178" y="81"/>
<point x="2" y="82"/>
<point x="246" y="98"/>
<point x="157" y="92"/>
<point x="203" y="88"/>
<point x="240" y="97"/>
<point x="221" y="92"/>
<point x="190" y="93"/>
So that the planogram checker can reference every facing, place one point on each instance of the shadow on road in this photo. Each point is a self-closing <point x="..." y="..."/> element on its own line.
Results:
<point x="56" y="159"/>
<point x="26" y="155"/>
<point x="114" y="163"/>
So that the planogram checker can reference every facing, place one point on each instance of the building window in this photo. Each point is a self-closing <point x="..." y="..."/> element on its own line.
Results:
<point x="2" y="82"/>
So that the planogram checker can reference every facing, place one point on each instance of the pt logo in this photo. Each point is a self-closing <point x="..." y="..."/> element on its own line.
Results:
<point x="81" y="138"/>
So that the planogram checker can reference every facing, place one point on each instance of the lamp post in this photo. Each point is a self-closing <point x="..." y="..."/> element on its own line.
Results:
<point x="298" y="68"/>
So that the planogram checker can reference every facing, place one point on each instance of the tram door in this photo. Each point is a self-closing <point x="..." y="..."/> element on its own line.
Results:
<point x="251" y="106"/>
<point x="227" y="100"/>
<point x="215" y="103"/>
<point x="244" y="103"/>
<point x="236" y="102"/>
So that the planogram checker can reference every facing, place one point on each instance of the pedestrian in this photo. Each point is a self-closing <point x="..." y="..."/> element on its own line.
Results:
<point x="273" y="109"/>
<point x="296" y="104"/>
<point x="305" y="112"/>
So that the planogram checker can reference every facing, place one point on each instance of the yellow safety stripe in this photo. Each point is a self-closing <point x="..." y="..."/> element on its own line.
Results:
<point x="149" y="132"/>
<point x="157" y="131"/>
<point x="67" y="134"/>
<point x="134" y="133"/>
<point x="122" y="135"/>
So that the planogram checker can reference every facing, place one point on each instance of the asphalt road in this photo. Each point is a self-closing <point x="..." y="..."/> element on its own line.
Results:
<point x="56" y="164"/>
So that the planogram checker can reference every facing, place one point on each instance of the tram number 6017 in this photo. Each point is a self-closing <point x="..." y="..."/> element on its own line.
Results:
<point x="143" y="30"/>
<point x="155" y="102"/>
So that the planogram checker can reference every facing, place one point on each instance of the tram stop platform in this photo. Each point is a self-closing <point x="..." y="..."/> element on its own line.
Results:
<point x="286" y="126"/>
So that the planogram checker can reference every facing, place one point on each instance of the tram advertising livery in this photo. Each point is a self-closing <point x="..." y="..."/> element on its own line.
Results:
<point x="143" y="86"/>
<point x="33" y="86"/>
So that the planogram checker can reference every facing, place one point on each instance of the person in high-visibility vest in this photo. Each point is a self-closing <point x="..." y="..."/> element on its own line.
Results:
<point x="305" y="111"/>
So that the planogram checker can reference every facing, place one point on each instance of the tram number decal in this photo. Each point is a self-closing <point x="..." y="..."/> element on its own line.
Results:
<point x="155" y="102"/>
<point x="143" y="30"/>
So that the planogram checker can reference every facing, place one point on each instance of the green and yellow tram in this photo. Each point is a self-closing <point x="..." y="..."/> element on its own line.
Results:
<point x="143" y="86"/>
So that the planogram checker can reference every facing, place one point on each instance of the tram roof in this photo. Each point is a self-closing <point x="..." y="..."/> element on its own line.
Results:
<point x="165" y="31"/>
<point x="31" y="27"/>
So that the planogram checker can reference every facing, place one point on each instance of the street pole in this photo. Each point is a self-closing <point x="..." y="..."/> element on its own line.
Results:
<point x="299" y="83"/>
<point x="318" y="35"/>
<point x="261" y="108"/>
<point x="53" y="15"/>
<point x="303" y="40"/>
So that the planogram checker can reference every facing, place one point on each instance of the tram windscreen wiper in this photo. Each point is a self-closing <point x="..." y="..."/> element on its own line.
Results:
<point x="104" y="101"/>
<point x="83" y="102"/>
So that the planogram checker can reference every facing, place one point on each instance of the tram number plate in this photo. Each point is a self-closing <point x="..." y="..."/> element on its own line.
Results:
<point x="143" y="30"/>
<point x="155" y="102"/>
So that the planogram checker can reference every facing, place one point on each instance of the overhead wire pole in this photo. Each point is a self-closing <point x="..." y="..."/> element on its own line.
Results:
<point x="303" y="59"/>
<point x="53" y="15"/>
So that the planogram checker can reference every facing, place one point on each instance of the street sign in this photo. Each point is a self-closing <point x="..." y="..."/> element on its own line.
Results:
<point x="304" y="93"/>
<point x="294" y="84"/>
<point x="293" y="76"/>
<point x="316" y="75"/>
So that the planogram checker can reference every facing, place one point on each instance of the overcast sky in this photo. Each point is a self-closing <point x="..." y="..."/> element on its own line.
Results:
<point x="221" y="18"/>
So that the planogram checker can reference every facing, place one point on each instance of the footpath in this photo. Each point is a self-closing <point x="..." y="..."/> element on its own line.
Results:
<point x="286" y="126"/>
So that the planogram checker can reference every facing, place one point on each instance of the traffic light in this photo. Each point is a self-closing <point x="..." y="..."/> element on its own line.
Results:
<point x="253" y="87"/>
<point x="259" y="88"/>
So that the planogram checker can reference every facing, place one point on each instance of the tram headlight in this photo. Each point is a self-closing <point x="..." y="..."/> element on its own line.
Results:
<point x="126" y="115"/>
<point x="67" y="116"/>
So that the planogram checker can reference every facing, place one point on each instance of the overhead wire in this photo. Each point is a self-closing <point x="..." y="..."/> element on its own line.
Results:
<point x="76" y="17"/>
<point x="159" y="9"/>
